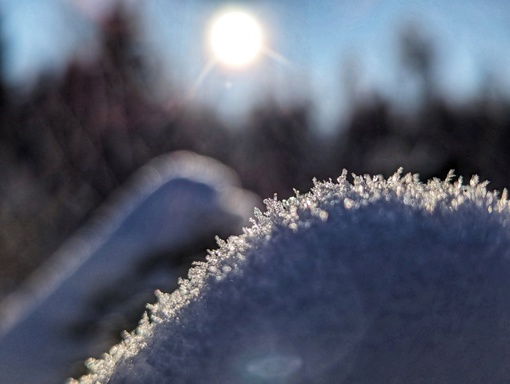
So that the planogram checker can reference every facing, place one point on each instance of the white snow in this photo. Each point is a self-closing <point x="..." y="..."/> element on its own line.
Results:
<point x="377" y="281"/>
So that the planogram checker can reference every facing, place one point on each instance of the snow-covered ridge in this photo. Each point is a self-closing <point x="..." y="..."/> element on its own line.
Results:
<point x="375" y="281"/>
<point x="175" y="201"/>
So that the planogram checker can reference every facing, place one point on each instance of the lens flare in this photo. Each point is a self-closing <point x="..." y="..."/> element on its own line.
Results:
<point x="275" y="367"/>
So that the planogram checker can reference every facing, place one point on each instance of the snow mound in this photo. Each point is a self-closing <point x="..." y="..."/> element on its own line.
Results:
<point x="375" y="281"/>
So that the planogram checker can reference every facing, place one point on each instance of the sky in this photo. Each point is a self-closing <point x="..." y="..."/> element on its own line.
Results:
<point x="315" y="40"/>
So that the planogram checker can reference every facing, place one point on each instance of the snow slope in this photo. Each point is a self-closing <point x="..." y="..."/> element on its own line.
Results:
<point x="379" y="281"/>
<point x="170" y="206"/>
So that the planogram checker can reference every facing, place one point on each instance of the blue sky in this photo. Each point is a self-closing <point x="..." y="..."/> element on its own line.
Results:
<point x="316" y="37"/>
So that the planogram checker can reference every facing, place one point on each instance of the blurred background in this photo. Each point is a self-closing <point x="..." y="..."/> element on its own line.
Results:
<point x="91" y="90"/>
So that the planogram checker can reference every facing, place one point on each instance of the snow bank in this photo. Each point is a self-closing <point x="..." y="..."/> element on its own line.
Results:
<point x="379" y="281"/>
<point x="63" y="313"/>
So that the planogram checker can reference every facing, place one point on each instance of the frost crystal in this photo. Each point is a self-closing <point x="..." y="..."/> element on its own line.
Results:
<point x="381" y="280"/>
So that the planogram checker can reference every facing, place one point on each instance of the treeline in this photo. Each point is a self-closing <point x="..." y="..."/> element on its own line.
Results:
<point x="65" y="148"/>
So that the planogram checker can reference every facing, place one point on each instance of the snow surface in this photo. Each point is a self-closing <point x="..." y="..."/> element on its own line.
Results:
<point x="175" y="200"/>
<point x="378" y="281"/>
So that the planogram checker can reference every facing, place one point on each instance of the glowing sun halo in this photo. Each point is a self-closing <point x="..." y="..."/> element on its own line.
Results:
<point x="236" y="38"/>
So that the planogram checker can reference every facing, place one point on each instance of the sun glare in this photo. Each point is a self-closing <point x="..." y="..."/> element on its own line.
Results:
<point x="236" y="39"/>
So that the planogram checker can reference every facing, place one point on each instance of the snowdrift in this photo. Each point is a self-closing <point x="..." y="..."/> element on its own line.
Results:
<point x="375" y="281"/>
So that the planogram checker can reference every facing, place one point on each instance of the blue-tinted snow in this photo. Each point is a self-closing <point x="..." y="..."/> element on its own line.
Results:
<point x="378" y="281"/>
<point x="175" y="200"/>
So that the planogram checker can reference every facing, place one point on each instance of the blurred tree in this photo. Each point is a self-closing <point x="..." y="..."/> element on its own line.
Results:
<point x="471" y="138"/>
<point x="69" y="145"/>
<point x="275" y="155"/>
<point x="417" y="56"/>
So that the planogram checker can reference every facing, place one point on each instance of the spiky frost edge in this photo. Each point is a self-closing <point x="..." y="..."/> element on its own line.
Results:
<point x="295" y="213"/>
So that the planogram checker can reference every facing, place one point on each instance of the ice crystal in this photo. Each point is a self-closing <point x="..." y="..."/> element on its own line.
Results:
<point x="378" y="280"/>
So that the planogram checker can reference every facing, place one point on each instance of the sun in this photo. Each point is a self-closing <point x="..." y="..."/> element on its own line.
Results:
<point x="236" y="38"/>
